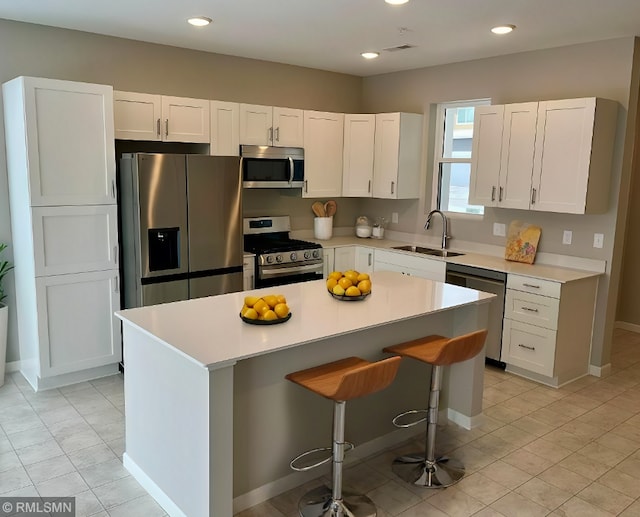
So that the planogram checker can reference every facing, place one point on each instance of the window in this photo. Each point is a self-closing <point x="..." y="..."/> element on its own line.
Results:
<point x="452" y="169"/>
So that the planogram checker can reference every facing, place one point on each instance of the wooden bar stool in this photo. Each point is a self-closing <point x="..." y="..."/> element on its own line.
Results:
<point x="425" y="469"/>
<point x="340" y="381"/>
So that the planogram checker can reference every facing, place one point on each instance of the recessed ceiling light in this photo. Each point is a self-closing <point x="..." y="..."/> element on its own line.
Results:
<point x="370" y="55"/>
<point x="200" y="21"/>
<point x="396" y="2"/>
<point x="503" y="29"/>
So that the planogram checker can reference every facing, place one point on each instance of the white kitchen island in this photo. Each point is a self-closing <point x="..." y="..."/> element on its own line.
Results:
<point x="211" y="423"/>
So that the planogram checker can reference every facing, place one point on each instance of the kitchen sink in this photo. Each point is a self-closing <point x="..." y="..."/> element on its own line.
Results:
<point x="428" y="251"/>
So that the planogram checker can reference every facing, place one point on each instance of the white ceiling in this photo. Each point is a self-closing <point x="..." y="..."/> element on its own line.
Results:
<point x="331" y="34"/>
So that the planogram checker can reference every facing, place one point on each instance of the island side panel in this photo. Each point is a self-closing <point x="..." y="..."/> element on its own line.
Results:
<point x="167" y="424"/>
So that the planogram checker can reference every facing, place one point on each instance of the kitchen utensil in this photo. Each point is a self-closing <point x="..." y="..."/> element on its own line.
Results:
<point x="330" y="208"/>
<point x="318" y="209"/>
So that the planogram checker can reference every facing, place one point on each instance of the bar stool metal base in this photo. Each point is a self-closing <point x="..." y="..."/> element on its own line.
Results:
<point x="415" y="469"/>
<point x="319" y="503"/>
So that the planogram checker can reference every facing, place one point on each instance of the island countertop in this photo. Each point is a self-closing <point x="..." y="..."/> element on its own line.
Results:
<point x="209" y="330"/>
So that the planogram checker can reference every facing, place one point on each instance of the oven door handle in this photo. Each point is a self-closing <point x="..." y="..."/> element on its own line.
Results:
<point x="296" y="269"/>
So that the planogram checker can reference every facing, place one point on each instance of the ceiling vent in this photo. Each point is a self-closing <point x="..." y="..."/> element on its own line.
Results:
<point x="406" y="46"/>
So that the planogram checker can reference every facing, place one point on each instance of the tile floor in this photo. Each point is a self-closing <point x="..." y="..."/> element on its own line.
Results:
<point x="574" y="451"/>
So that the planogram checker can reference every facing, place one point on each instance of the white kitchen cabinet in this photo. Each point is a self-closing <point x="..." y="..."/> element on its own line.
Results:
<point x="323" y="144"/>
<point x="225" y="128"/>
<point x="76" y="327"/>
<point x="142" y="116"/>
<point x="397" y="156"/>
<point x="502" y="156"/>
<point x="573" y="153"/>
<point x="344" y="258"/>
<point x="271" y="125"/>
<point x="248" y="272"/>
<point x="328" y="258"/>
<point x="363" y="259"/>
<point x="357" y="166"/>
<point x="423" y="267"/>
<point x="61" y="170"/>
<point x="547" y="328"/>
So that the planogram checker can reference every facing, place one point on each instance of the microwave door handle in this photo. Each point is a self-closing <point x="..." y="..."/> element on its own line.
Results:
<point x="291" y="170"/>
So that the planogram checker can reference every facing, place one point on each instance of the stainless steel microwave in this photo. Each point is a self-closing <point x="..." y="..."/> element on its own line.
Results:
<point x="271" y="167"/>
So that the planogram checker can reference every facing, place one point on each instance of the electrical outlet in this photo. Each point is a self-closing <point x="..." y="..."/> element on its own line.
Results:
<point x="567" y="236"/>
<point x="394" y="217"/>
<point x="598" y="240"/>
<point x="499" y="229"/>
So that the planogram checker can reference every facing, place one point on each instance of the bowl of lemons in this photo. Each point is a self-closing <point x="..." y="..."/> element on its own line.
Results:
<point x="349" y="286"/>
<point x="270" y="309"/>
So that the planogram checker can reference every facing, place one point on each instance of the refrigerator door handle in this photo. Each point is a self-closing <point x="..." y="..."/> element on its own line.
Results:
<point x="291" y="170"/>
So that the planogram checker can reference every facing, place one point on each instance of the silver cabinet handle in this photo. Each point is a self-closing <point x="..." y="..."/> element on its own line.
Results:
<point x="369" y="187"/>
<point x="393" y="184"/>
<point x="113" y="188"/>
<point x="527" y="347"/>
<point x="532" y="286"/>
<point x="117" y="286"/>
<point x="270" y="134"/>
<point x="158" y="127"/>
<point x="370" y="258"/>
<point x="166" y="127"/>
<point x="533" y="196"/>
<point x="277" y="134"/>
<point x="529" y="309"/>
<point x="115" y="253"/>
<point x="493" y="193"/>
<point x="305" y="187"/>
<point x="500" y="194"/>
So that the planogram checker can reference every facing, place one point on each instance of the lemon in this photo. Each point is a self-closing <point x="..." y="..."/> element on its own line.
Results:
<point x="260" y="306"/>
<point x="331" y="283"/>
<point x="249" y="301"/>
<point x="338" y="289"/>
<point x="345" y="283"/>
<point x="335" y="274"/>
<point x="281" y="310"/>
<point x="281" y="298"/>
<point x="364" y="286"/>
<point x="363" y="276"/>
<point x="250" y="314"/>
<point x="269" y="315"/>
<point x="352" y="275"/>
<point x="271" y="299"/>
<point x="353" y="291"/>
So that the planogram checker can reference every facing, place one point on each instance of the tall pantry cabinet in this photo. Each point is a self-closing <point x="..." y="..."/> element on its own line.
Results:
<point x="62" y="190"/>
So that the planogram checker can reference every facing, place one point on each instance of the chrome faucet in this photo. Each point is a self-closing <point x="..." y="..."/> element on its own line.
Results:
<point x="445" y="236"/>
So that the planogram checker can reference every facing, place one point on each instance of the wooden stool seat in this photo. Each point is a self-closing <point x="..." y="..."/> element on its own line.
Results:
<point x="348" y="378"/>
<point x="440" y="350"/>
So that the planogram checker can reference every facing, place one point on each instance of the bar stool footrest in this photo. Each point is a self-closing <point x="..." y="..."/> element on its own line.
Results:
<point x="304" y="468"/>
<point x="407" y="413"/>
<point x="320" y="503"/>
<point x="413" y="468"/>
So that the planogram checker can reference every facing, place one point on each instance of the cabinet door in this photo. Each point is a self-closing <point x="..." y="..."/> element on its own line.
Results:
<point x="529" y="347"/>
<point x="256" y="124"/>
<point x="225" y="128"/>
<point x="387" y="149"/>
<point x="486" y="152"/>
<point x="76" y="323"/>
<point x="328" y="257"/>
<point x="357" y="171"/>
<point x="69" y="130"/>
<point x="345" y="258"/>
<point x="516" y="166"/>
<point x="185" y="120"/>
<point x="73" y="239"/>
<point x="364" y="259"/>
<point x="248" y="273"/>
<point x="288" y="127"/>
<point x="323" y="143"/>
<point x="136" y="116"/>
<point x="562" y="155"/>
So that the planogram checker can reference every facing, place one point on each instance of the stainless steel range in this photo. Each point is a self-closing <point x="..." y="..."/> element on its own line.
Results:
<point x="279" y="259"/>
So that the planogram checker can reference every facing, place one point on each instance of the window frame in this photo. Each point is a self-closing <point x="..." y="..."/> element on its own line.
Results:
<point x="438" y="152"/>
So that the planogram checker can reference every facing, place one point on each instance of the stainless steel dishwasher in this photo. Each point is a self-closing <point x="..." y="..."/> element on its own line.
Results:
<point x="490" y="282"/>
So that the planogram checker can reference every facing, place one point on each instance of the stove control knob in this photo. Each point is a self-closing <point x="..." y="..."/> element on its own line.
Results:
<point x="307" y="255"/>
<point x="293" y="257"/>
<point x="316" y="254"/>
<point x="269" y="259"/>
<point x="278" y="258"/>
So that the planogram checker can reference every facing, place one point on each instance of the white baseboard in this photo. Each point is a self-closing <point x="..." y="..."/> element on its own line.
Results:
<point x="13" y="366"/>
<point x="464" y="420"/>
<point x="631" y="327"/>
<point x="154" y="490"/>
<point x="600" y="371"/>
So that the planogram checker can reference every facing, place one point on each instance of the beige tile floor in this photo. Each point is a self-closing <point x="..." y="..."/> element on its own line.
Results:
<point x="573" y="451"/>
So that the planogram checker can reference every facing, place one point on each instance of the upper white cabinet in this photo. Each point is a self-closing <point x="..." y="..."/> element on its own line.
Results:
<point x="573" y="153"/>
<point x="552" y="156"/>
<point x="225" y="128"/>
<point x="323" y="144"/>
<point x="142" y="116"/>
<point x="397" y="155"/>
<point x="267" y="125"/>
<point x="61" y="141"/>
<point x="503" y="145"/>
<point x="357" y="171"/>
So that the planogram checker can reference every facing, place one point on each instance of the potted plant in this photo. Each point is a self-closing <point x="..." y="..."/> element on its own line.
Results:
<point x="5" y="267"/>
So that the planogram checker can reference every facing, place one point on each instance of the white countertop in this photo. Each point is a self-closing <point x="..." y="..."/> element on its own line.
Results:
<point x="211" y="333"/>
<point x="543" y="271"/>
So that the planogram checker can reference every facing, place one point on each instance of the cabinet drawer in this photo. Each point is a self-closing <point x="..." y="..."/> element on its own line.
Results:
<point x="529" y="347"/>
<point x="534" y="285"/>
<point x="532" y="308"/>
<point x="435" y="267"/>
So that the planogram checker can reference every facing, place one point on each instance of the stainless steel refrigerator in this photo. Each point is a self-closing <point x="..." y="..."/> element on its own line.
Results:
<point x="181" y="227"/>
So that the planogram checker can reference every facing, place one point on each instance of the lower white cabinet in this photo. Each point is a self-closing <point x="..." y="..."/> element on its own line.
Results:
<point x="364" y="259"/>
<point x="422" y="267"/>
<point x="344" y="258"/>
<point x="76" y="326"/>
<point x="328" y="256"/>
<point x="248" y="272"/>
<point x="547" y="328"/>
